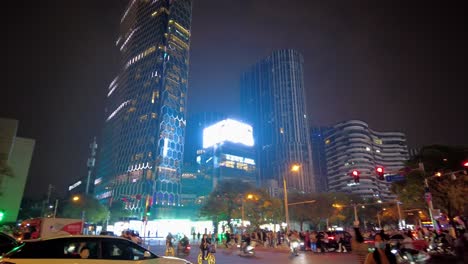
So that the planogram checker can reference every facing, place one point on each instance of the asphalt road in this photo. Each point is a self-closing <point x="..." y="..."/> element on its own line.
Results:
<point x="278" y="256"/>
<point x="266" y="255"/>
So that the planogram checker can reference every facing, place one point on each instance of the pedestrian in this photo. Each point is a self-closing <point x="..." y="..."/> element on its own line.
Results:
<point x="198" y="236"/>
<point x="378" y="256"/>
<point x="307" y="240"/>
<point x="313" y="241"/>
<point x="193" y="235"/>
<point x="359" y="248"/>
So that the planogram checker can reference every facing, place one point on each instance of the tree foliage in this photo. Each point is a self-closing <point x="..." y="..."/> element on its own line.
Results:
<point x="224" y="203"/>
<point x="448" y="191"/>
<point x="94" y="211"/>
<point x="118" y="211"/>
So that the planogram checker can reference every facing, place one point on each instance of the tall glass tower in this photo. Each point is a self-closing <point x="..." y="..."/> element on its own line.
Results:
<point x="143" y="139"/>
<point x="273" y="100"/>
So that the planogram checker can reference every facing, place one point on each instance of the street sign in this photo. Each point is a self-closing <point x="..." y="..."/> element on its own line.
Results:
<point x="394" y="177"/>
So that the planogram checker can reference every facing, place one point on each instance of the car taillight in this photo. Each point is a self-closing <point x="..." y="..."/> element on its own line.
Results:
<point x="332" y="238"/>
<point x="188" y="247"/>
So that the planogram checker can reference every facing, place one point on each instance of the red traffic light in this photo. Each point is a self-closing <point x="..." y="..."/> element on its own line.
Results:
<point x="379" y="170"/>
<point x="355" y="173"/>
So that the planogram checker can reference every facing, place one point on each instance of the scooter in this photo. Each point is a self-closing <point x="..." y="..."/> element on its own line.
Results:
<point x="183" y="250"/>
<point x="247" y="250"/>
<point x="294" y="248"/>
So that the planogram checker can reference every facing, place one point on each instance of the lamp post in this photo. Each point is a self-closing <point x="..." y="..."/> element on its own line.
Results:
<point x="249" y="196"/>
<point x="76" y="198"/>
<point x="294" y="168"/>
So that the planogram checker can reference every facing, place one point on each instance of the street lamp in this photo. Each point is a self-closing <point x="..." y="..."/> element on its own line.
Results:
<point x="294" y="168"/>
<point x="77" y="198"/>
<point x="249" y="197"/>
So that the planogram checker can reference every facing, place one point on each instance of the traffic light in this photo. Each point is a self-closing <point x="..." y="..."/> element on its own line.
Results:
<point x="355" y="174"/>
<point x="380" y="173"/>
<point x="2" y="214"/>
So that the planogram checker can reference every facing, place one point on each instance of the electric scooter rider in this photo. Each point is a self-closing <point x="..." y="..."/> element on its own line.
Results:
<point x="245" y="242"/>
<point x="294" y="242"/>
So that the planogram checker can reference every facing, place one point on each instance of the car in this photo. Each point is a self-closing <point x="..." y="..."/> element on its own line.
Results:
<point x="333" y="239"/>
<point x="405" y="241"/>
<point x="7" y="243"/>
<point x="84" y="249"/>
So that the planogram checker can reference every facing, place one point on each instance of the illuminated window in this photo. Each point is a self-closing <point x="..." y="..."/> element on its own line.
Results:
<point x="327" y="141"/>
<point x="229" y="164"/>
<point x="242" y="166"/>
<point x="281" y="130"/>
<point x="143" y="118"/>
<point x="154" y="115"/>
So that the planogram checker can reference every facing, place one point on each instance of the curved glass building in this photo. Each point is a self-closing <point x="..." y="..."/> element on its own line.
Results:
<point x="143" y="139"/>
<point x="273" y="101"/>
<point x="352" y="145"/>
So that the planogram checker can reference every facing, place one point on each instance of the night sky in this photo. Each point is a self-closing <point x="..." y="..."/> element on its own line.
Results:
<point x="397" y="66"/>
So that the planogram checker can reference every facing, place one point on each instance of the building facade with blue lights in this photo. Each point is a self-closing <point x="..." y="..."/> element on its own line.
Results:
<point x="273" y="101"/>
<point x="352" y="145"/>
<point x="144" y="133"/>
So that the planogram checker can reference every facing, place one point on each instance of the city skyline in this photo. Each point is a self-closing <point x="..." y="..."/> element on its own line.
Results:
<point x="358" y="60"/>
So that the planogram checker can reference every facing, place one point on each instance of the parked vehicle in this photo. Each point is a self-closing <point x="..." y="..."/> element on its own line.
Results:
<point x="49" y="227"/>
<point x="84" y="250"/>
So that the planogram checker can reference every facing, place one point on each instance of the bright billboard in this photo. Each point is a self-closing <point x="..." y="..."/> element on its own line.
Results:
<point x="228" y="130"/>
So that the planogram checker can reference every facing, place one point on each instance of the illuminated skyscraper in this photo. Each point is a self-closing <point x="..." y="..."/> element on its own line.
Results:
<point x="273" y="100"/>
<point x="143" y="139"/>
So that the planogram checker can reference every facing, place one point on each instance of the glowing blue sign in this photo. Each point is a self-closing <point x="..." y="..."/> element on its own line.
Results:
<point x="228" y="130"/>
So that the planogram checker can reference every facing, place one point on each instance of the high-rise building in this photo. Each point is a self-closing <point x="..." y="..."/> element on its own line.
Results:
<point x="273" y="101"/>
<point x="196" y="123"/>
<point x="352" y="145"/>
<point x="144" y="132"/>
<point x="15" y="154"/>
<point x="228" y="152"/>
<point x="319" y="159"/>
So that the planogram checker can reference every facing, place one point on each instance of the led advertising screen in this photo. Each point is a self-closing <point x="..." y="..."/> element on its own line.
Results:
<point x="228" y="130"/>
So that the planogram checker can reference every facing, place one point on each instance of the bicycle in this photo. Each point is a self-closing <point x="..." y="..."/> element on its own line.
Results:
<point x="210" y="257"/>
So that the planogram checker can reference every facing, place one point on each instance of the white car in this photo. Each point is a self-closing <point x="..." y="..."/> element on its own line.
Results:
<point x="84" y="250"/>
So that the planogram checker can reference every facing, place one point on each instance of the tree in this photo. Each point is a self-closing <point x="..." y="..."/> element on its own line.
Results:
<point x="95" y="212"/>
<point x="118" y="211"/>
<point x="448" y="191"/>
<point x="302" y="212"/>
<point x="224" y="202"/>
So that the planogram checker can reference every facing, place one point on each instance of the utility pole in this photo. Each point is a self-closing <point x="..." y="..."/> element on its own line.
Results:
<point x="286" y="210"/>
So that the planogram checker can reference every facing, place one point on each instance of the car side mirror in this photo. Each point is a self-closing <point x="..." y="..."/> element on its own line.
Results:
<point x="147" y="254"/>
